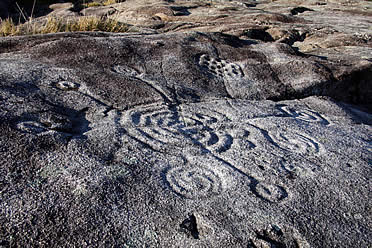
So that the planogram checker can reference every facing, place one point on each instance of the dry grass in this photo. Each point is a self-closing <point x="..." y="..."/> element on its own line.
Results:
<point x="105" y="3"/>
<point x="56" y="25"/>
<point x="92" y="4"/>
<point x="109" y="2"/>
<point x="8" y="28"/>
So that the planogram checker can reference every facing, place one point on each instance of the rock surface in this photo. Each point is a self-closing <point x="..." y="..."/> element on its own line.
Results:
<point x="143" y="140"/>
<point x="188" y="139"/>
<point x="339" y="31"/>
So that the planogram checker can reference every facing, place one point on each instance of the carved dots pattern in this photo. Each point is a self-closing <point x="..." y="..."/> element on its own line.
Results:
<point x="221" y="67"/>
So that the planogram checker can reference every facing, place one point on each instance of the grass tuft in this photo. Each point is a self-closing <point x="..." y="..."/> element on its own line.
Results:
<point x="92" y="4"/>
<point x="109" y="2"/>
<point x="104" y="3"/>
<point x="53" y="25"/>
<point x="95" y="24"/>
<point x="56" y="25"/>
<point x="8" y="28"/>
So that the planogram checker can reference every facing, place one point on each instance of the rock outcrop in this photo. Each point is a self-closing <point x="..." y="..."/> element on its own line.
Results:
<point x="188" y="139"/>
<point x="160" y="140"/>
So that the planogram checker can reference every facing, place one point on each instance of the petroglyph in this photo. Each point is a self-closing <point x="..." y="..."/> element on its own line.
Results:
<point x="296" y="143"/>
<point x="194" y="182"/>
<point x="303" y="115"/>
<point x="48" y="123"/>
<point x="214" y="141"/>
<point x="158" y="125"/>
<point x="57" y="122"/>
<point x="154" y="115"/>
<point x="155" y="125"/>
<point x="131" y="72"/>
<point x="202" y="116"/>
<point x="121" y="69"/>
<point x="270" y="192"/>
<point x="67" y="85"/>
<point x="277" y="236"/>
<point x="33" y="127"/>
<point x="248" y="137"/>
<point x="293" y="169"/>
<point x="221" y="67"/>
<point x="369" y="147"/>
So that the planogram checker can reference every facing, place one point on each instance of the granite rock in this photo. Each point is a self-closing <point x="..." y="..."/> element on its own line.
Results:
<point x="135" y="140"/>
<point x="216" y="124"/>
